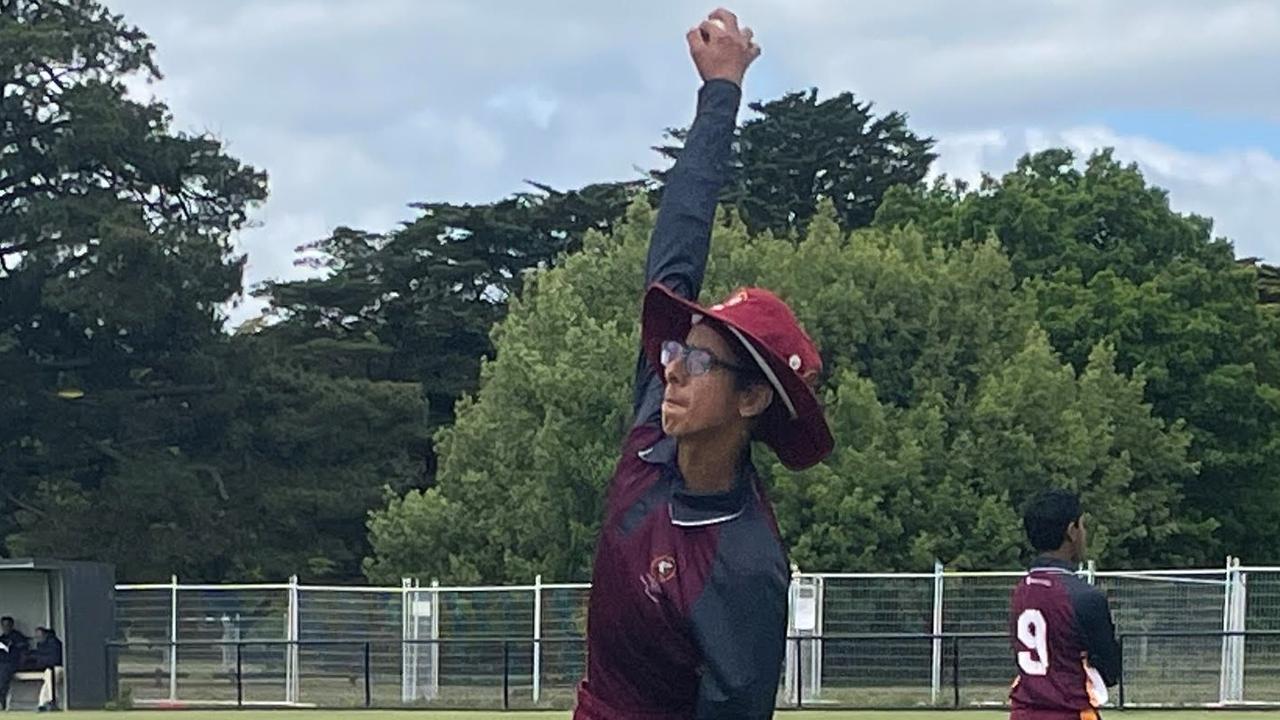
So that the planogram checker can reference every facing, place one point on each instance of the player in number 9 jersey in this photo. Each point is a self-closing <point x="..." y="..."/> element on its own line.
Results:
<point x="1060" y="626"/>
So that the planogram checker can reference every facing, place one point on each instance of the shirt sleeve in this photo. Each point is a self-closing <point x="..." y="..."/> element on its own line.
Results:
<point x="682" y="232"/>
<point x="1094" y="615"/>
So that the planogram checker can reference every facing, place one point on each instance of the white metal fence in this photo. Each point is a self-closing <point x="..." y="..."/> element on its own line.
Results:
<point x="862" y="639"/>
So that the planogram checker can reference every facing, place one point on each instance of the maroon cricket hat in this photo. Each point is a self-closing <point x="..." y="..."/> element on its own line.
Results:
<point x="788" y="359"/>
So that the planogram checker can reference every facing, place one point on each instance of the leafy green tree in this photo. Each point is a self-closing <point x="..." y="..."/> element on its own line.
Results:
<point x="1107" y="260"/>
<point x="932" y="348"/>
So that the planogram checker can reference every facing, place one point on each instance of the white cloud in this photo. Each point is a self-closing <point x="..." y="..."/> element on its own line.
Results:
<point x="968" y="155"/>
<point x="358" y="110"/>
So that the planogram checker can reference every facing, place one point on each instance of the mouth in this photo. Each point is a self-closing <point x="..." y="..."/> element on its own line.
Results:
<point x="670" y="403"/>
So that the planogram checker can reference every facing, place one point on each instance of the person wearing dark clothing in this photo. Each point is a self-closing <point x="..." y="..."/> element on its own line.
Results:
<point x="46" y="657"/>
<point x="13" y="649"/>
<point x="1059" y="625"/>
<point x="47" y="652"/>
<point x="687" y="612"/>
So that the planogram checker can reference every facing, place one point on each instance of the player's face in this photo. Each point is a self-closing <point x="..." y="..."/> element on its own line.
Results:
<point x="705" y="402"/>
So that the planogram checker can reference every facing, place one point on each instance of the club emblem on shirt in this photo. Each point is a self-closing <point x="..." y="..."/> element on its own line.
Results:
<point x="663" y="568"/>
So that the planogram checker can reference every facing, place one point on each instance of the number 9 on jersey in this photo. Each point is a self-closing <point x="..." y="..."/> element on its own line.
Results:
<point x="1033" y="633"/>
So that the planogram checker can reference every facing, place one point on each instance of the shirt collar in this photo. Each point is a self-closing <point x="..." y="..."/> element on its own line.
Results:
<point x="1044" y="562"/>
<point x="662" y="452"/>
<point x="696" y="509"/>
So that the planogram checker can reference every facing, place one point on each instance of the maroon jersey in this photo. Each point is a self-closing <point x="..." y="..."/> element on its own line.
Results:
<point x="1064" y="645"/>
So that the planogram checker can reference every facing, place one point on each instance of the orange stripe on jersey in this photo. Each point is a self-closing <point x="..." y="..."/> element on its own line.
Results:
<point x="1089" y="714"/>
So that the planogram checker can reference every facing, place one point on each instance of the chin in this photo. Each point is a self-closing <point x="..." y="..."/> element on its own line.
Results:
<point x="674" y="425"/>
<point x="670" y="425"/>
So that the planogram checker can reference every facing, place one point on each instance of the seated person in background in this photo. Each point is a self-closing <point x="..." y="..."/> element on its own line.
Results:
<point x="47" y="652"/>
<point x="13" y="639"/>
<point x="45" y="656"/>
<point x="13" y="646"/>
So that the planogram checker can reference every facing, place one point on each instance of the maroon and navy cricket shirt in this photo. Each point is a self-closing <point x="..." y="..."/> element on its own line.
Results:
<point x="1064" y="645"/>
<point x="687" y="616"/>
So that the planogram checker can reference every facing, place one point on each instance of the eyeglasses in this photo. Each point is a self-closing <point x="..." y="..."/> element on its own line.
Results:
<point x="697" y="361"/>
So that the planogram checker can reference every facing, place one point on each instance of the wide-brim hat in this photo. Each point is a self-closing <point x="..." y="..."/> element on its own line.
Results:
<point x="797" y="430"/>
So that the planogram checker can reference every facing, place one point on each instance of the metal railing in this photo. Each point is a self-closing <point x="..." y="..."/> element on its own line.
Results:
<point x="890" y="671"/>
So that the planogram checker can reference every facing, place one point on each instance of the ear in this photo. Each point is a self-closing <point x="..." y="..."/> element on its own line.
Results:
<point x="753" y="401"/>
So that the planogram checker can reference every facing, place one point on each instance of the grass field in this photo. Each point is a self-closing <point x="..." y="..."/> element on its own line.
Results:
<point x="561" y="715"/>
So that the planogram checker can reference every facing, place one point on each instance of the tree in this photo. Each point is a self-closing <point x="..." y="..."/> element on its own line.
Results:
<point x="310" y="454"/>
<point x="1050" y="215"/>
<point x="417" y="304"/>
<point x="929" y="345"/>
<point x="1108" y="260"/>
<point x="272" y="475"/>
<point x="1268" y="281"/>
<point x="801" y="151"/>
<point x="114" y="258"/>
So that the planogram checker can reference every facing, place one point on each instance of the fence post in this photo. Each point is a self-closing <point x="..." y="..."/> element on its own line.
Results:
<point x="791" y="657"/>
<point x="368" y="687"/>
<point x="955" y="669"/>
<point x="805" y="621"/>
<point x="537" y="638"/>
<point x="291" y="655"/>
<point x="1121" y="640"/>
<point x="435" y="639"/>
<point x="1091" y="573"/>
<point x="408" y="651"/>
<point x="506" y="675"/>
<point x="800" y="673"/>
<point x="173" y="637"/>
<point x="819" y="632"/>
<point x="239" y="675"/>
<point x="1241" y="626"/>
<point x="935" y="680"/>
<point x="1231" y="680"/>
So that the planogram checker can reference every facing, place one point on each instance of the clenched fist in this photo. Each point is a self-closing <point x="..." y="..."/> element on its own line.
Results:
<point x="720" y="50"/>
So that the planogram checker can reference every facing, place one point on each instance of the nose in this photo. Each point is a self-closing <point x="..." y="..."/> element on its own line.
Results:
<point x="675" y="371"/>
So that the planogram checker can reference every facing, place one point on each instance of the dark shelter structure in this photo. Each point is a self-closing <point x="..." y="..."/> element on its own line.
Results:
<point x="77" y="601"/>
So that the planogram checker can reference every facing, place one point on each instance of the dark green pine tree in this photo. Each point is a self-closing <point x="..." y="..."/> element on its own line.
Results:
<point x="115" y="258"/>
<point x="418" y="303"/>
<point x="800" y="151"/>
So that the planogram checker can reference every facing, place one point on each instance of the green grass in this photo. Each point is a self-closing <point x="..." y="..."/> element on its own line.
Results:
<point x="563" y="715"/>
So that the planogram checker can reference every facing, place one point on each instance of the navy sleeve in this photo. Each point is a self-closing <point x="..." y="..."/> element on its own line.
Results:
<point x="740" y="623"/>
<point x="1094" y="616"/>
<point x="682" y="232"/>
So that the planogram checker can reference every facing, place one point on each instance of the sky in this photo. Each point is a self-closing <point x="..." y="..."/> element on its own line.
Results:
<point x="357" y="110"/>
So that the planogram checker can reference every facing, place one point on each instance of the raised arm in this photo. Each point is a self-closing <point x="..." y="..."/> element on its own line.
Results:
<point x="682" y="233"/>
